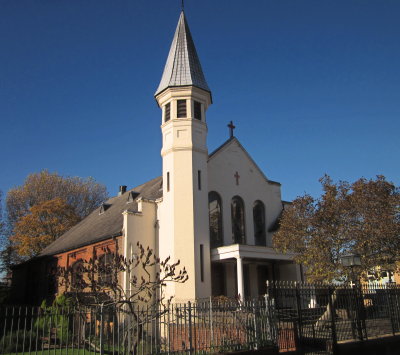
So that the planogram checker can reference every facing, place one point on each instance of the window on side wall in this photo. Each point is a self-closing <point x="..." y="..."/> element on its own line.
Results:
<point x="215" y="217"/>
<point x="259" y="223"/>
<point x="238" y="224"/>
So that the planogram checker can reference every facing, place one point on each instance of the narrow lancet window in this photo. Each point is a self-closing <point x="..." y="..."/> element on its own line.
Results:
<point x="215" y="216"/>
<point x="238" y="224"/>
<point x="167" y="181"/>
<point x="201" y="262"/>
<point x="199" y="179"/>
<point x="259" y="223"/>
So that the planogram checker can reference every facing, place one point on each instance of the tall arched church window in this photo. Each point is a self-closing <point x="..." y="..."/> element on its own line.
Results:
<point x="238" y="226"/>
<point x="259" y="223"/>
<point x="215" y="216"/>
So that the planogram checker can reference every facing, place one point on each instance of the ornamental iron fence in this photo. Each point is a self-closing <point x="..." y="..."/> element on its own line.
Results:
<point x="291" y="316"/>
<point x="318" y="317"/>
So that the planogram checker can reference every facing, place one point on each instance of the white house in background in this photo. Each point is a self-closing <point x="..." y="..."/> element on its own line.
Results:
<point x="215" y="212"/>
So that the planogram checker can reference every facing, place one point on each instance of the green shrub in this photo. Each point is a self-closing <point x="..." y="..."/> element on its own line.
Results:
<point x="18" y="341"/>
<point x="54" y="320"/>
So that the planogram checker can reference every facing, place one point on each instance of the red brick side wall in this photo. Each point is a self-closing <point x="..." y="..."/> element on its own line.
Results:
<point x="201" y="336"/>
<point x="89" y="251"/>
<point x="112" y="245"/>
<point x="32" y="281"/>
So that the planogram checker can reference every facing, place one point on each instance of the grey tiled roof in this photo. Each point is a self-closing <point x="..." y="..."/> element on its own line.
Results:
<point x="96" y="227"/>
<point x="183" y="66"/>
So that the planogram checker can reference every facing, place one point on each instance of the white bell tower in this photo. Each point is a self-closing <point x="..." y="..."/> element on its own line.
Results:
<point x="184" y="96"/>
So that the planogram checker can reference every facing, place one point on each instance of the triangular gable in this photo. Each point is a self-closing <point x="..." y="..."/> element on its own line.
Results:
<point x="229" y="143"/>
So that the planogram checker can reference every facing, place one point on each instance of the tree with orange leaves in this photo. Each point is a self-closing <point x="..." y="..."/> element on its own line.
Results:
<point x="82" y="194"/>
<point x="359" y="218"/>
<point x="44" y="223"/>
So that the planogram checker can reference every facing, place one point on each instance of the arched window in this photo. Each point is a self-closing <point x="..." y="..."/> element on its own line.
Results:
<point x="215" y="215"/>
<point x="259" y="223"/>
<point x="238" y="226"/>
<point x="77" y="282"/>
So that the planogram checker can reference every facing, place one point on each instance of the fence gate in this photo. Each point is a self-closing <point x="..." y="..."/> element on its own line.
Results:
<point x="303" y="316"/>
<point x="315" y="318"/>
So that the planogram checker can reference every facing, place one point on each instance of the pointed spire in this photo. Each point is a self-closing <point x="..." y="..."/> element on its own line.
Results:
<point x="183" y="66"/>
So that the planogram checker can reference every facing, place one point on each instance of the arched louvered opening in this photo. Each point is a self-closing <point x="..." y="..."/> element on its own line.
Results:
<point x="167" y="112"/>
<point x="197" y="110"/>
<point x="181" y="109"/>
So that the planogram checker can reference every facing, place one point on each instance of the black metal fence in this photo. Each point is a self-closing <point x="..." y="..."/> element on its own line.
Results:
<point x="292" y="316"/>
<point x="190" y="328"/>
<point x="317" y="317"/>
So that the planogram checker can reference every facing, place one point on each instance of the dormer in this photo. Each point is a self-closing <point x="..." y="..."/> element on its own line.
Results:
<point x="104" y="207"/>
<point x="132" y="196"/>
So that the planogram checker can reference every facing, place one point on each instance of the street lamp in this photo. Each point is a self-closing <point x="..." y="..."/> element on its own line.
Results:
<point x="350" y="261"/>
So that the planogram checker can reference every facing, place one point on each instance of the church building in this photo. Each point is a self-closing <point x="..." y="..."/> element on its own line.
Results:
<point x="215" y="212"/>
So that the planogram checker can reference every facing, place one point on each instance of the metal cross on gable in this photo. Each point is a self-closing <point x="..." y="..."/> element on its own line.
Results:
<point x="231" y="128"/>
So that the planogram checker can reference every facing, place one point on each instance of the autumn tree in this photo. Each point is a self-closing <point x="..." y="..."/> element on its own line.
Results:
<point x="3" y="240"/>
<point x="82" y="195"/>
<point x="44" y="223"/>
<point x="362" y="217"/>
<point x="1" y="217"/>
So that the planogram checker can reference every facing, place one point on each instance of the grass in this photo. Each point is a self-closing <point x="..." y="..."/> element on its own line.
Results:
<point x="56" y="352"/>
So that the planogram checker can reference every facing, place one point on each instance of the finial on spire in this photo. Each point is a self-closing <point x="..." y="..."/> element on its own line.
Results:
<point x="231" y="128"/>
<point x="182" y="5"/>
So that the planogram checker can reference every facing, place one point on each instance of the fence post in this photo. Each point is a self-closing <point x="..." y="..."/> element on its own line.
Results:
<point x="101" y="330"/>
<point x="333" y="323"/>
<point x="211" y="323"/>
<point x="256" y="330"/>
<point x="271" y="316"/>
<point x="299" y="318"/>
<point x="359" y="310"/>
<point x="389" y="301"/>
<point x="190" y="328"/>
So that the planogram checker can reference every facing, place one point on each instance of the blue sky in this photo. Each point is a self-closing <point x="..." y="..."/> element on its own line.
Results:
<point x="313" y="87"/>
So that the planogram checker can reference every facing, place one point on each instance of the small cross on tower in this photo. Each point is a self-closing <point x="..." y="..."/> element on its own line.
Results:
<point x="237" y="177"/>
<point x="231" y="128"/>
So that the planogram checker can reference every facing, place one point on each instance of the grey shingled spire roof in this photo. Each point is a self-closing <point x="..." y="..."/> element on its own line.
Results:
<point x="183" y="65"/>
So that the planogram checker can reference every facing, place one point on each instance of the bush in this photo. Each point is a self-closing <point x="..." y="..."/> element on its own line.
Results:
<point x="18" y="341"/>
<point x="54" y="319"/>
